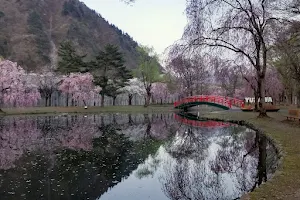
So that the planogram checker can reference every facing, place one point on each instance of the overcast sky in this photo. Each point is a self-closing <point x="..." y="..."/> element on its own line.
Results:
<point x="156" y="23"/>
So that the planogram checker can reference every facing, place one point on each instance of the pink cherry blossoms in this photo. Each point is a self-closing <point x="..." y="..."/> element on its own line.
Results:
<point x="160" y="91"/>
<point x="80" y="86"/>
<point x="14" y="86"/>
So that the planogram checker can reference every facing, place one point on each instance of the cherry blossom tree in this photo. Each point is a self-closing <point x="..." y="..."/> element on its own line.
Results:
<point x="15" y="86"/>
<point x="47" y="84"/>
<point x="160" y="91"/>
<point x="274" y="85"/>
<point x="236" y="28"/>
<point x="190" y="74"/>
<point x="80" y="86"/>
<point x="227" y="76"/>
<point x="134" y="87"/>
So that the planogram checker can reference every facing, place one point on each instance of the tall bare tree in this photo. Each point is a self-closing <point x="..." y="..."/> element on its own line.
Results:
<point x="239" y="28"/>
<point x="191" y="74"/>
<point x="228" y="76"/>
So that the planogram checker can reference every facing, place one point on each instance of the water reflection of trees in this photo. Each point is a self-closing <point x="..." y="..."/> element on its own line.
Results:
<point x="72" y="157"/>
<point x="81" y="157"/>
<point x="240" y="163"/>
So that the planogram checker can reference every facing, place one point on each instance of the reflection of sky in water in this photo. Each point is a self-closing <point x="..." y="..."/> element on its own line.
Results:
<point x="145" y="188"/>
<point x="148" y="180"/>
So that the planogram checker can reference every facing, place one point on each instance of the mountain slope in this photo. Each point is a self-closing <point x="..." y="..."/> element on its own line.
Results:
<point x="31" y="31"/>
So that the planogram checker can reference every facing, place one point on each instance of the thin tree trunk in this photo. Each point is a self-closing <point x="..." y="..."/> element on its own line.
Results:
<point x="255" y="100"/>
<point x="130" y="99"/>
<point x="67" y="100"/>
<point x="50" y="101"/>
<point x="148" y="97"/>
<point x="262" y="79"/>
<point x="102" y="100"/>
<point x="262" y="109"/>
<point x="46" y="101"/>
<point x="114" y="101"/>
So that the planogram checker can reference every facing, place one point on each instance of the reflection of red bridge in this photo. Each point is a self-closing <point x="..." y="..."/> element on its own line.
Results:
<point x="212" y="100"/>
<point x="206" y="124"/>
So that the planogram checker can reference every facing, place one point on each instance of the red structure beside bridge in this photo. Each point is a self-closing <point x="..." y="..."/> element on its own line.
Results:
<point x="218" y="101"/>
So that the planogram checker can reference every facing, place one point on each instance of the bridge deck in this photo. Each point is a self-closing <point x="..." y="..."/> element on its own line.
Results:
<point x="218" y="101"/>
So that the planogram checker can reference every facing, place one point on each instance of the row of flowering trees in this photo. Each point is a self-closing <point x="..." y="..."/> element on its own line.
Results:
<point x="21" y="89"/>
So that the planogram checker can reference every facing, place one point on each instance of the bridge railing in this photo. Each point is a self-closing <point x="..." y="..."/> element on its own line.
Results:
<point x="225" y="101"/>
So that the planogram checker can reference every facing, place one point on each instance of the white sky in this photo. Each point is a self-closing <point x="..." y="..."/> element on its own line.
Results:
<point x="157" y="23"/>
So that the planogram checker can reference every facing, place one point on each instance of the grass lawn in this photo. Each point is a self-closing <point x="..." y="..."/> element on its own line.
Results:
<point x="286" y="182"/>
<point x="96" y="109"/>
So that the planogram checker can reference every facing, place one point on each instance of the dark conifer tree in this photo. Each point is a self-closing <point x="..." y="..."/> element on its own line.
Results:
<point x="109" y="72"/>
<point x="70" y="61"/>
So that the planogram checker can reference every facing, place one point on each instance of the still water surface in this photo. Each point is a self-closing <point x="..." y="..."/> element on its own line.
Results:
<point x="129" y="157"/>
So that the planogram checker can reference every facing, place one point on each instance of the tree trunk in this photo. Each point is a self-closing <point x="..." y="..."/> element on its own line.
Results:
<point x="262" y="80"/>
<point x="67" y="100"/>
<point x="50" y="101"/>
<point x="262" y="109"/>
<point x="46" y="101"/>
<point x="102" y="100"/>
<point x="114" y="101"/>
<point x="148" y="97"/>
<point x="147" y="102"/>
<point x="130" y="99"/>
<point x="161" y="101"/>
<point x="255" y="100"/>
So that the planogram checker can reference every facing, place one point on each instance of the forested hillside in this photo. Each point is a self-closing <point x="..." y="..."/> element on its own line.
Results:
<point x="32" y="30"/>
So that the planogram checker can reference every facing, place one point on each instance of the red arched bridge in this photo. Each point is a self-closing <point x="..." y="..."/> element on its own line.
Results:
<point x="218" y="101"/>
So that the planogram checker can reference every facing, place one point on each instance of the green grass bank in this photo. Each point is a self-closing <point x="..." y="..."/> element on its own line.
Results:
<point x="94" y="109"/>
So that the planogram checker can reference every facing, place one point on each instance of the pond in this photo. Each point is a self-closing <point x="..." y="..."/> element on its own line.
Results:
<point x="130" y="157"/>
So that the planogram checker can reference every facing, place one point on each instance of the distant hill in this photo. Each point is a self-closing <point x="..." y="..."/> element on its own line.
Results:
<point x="31" y="31"/>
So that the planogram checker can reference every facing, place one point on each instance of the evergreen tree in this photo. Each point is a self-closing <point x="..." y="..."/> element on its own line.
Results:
<point x="109" y="72"/>
<point x="70" y="61"/>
